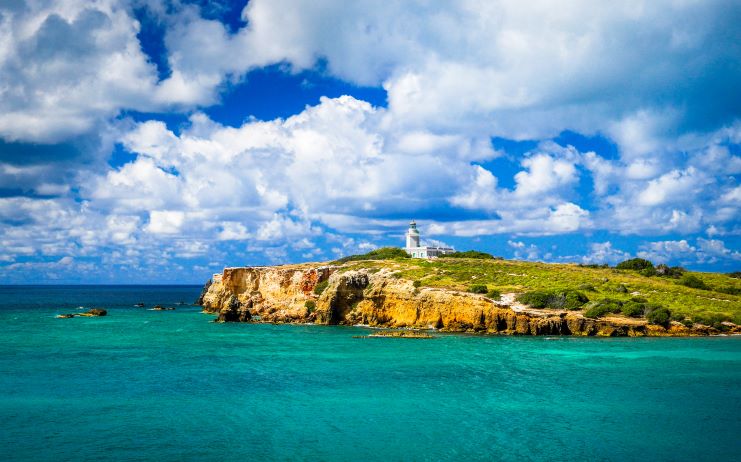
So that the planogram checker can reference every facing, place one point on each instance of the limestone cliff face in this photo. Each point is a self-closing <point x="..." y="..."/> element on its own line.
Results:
<point x="379" y="299"/>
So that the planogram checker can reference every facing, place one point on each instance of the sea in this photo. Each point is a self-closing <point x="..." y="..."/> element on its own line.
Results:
<point x="141" y="385"/>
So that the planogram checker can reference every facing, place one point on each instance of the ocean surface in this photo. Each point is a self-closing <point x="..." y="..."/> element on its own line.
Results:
<point x="144" y="385"/>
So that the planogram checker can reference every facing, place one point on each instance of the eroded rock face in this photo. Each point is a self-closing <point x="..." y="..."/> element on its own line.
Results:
<point x="267" y="294"/>
<point x="379" y="299"/>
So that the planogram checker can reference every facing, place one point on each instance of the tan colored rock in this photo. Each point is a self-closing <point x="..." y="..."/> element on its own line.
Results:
<point x="280" y="295"/>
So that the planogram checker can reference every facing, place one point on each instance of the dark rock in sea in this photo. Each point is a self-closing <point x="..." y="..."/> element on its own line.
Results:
<point x="95" y="312"/>
<point x="162" y="308"/>
<point x="199" y="302"/>
<point x="88" y="314"/>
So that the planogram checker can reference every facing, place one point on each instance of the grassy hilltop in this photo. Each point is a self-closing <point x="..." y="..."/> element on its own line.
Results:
<point x="634" y="288"/>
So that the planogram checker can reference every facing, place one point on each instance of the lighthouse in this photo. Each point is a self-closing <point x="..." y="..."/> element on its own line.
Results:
<point x="416" y="250"/>
<point x="412" y="235"/>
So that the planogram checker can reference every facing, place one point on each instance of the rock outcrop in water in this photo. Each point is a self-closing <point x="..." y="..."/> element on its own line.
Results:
<point x="90" y="313"/>
<point x="285" y="294"/>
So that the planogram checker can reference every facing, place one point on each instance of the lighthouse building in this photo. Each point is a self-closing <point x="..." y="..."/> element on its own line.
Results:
<point x="414" y="249"/>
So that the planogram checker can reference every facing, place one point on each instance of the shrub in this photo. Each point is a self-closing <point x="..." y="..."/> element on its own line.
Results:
<point x="597" y="311"/>
<point x="587" y="287"/>
<point x="320" y="286"/>
<point x="709" y="319"/>
<point x="659" y="316"/>
<point x="669" y="272"/>
<point x="478" y="289"/>
<point x="535" y="298"/>
<point x="729" y="290"/>
<point x="677" y="317"/>
<point x="471" y="254"/>
<point x="735" y="274"/>
<point x="635" y="264"/>
<point x="633" y="309"/>
<point x="593" y="265"/>
<point x="384" y="253"/>
<point x="310" y="305"/>
<point x="574" y="300"/>
<point x="604" y="306"/>
<point x="638" y="299"/>
<point x="693" y="282"/>
<point x="494" y="294"/>
<point x="417" y="283"/>
<point x="621" y="289"/>
<point x="648" y="272"/>
<point x="688" y="322"/>
<point x="564" y="299"/>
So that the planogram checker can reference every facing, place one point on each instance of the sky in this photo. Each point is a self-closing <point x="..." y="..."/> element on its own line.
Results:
<point x="148" y="141"/>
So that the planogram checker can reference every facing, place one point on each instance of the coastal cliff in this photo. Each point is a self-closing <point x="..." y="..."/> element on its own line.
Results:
<point x="378" y="297"/>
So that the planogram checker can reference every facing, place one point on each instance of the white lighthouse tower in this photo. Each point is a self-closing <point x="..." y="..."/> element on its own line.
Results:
<point x="416" y="250"/>
<point x="412" y="235"/>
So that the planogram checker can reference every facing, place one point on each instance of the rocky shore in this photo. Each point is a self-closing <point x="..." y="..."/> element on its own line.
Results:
<point x="378" y="298"/>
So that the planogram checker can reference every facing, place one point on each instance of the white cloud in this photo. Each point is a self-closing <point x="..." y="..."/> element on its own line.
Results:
<point x="544" y="174"/>
<point x="604" y="252"/>
<point x="165" y="221"/>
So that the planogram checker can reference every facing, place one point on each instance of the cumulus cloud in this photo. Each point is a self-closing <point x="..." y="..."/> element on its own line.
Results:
<point x="651" y="77"/>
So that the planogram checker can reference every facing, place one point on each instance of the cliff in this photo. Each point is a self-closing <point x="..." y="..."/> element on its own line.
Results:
<point x="378" y="297"/>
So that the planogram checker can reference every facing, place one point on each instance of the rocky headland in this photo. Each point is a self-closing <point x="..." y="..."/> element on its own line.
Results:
<point x="378" y="297"/>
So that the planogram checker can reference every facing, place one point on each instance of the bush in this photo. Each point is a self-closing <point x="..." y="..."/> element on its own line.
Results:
<point x="669" y="272"/>
<point x="320" y="286"/>
<point x="688" y="280"/>
<point x="648" y="272"/>
<point x="574" y="300"/>
<point x="638" y="300"/>
<point x="688" y="322"/>
<point x="535" y="298"/>
<point x="659" y="316"/>
<point x="471" y="254"/>
<point x="384" y="253"/>
<point x="735" y="274"/>
<point x="709" y="319"/>
<point x="597" y="311"/>
<point x="633" y="309"/>
<point x="593" y="265"/>
<point x="729" y="290"/>
<point x="621" y="289"/>
<point x="478" y="289"/>
<point x="587" y="287"/>
<point x="494" y="294"/>
<point x="602" y="307"/>
<point x="417" y="283"/>
<point x="564" y="299"/>
<point x="635" y="264"/>
<point x="310" y="305"/>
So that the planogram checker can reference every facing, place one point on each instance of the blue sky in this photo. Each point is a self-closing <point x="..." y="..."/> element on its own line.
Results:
<point x="148" y="141"/>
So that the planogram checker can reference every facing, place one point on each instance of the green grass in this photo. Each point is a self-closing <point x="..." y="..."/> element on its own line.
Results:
<point x="518" y="276"/>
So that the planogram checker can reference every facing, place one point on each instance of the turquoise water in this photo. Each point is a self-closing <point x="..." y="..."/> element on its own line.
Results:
<point x="171" y="386"/>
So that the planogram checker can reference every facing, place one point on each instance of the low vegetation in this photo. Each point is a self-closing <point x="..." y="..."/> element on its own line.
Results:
<point x="471" y="254"/>
<point x="478" y="289"/>
<point x="384" y="253"/>
<point x="694" y="282"/>
<point x="320" y="287"/>
<point x="719" y="302"/>
<point x="637" y="264"/>
<point x="559" y="299"/>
